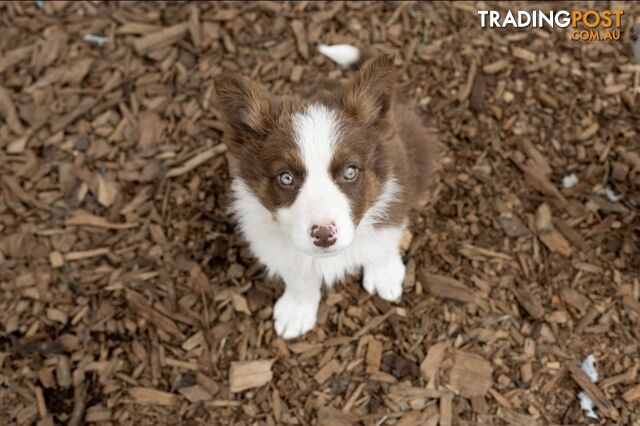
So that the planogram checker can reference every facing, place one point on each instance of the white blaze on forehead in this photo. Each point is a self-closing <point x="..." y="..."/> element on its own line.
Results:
<point x="316" y="132"/>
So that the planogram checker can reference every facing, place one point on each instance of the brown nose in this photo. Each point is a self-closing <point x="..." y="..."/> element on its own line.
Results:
<point x="324" y="235"/>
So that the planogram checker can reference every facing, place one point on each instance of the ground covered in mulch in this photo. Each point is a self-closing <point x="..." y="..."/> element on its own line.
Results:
<point x="127" y="298"/>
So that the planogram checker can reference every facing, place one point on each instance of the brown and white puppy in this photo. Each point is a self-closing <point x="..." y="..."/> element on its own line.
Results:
<point x="322" y="184"/>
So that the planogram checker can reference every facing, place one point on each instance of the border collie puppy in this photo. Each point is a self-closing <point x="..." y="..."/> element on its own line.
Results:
<point x="322" y="184"/>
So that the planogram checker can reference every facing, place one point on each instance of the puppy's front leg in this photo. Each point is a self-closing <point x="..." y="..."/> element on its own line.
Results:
<point x="384" y="274"/>
<point x="296" y="310"/>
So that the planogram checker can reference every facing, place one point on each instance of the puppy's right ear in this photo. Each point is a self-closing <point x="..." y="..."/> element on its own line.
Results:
<point x="370" y="94"/>
<point x="245" y="110"/>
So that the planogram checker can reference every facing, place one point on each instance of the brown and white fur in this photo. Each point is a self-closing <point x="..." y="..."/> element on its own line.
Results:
<point x="322" y="185"/>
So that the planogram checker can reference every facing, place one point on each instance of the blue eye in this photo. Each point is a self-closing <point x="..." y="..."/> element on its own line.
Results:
<point x="350" y="173"/>
<point x="285" y="180"/>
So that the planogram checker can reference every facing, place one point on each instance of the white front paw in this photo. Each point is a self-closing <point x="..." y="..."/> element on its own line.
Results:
<point x="385" y="279"/>
<point x="294" y="317"/>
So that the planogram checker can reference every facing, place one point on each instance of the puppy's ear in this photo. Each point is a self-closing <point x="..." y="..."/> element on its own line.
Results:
<point x="370" y="94"/>
<point x="245" y="110"/>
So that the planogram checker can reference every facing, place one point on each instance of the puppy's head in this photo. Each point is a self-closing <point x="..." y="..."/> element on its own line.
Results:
<point x="318" y="165"/>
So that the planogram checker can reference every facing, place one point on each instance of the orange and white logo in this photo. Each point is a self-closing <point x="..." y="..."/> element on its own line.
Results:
<point x="589" y="25"/>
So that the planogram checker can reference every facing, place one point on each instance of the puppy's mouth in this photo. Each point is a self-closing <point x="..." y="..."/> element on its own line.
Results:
<point x="327" y="252"/>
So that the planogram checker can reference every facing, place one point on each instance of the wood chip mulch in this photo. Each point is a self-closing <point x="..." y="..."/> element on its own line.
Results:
<point x="127" y="298"/>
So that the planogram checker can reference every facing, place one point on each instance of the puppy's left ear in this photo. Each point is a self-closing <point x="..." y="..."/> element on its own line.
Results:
<point x="370" y="94"/>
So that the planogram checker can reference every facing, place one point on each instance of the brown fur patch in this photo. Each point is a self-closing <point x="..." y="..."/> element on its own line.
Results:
<point x="355" y="150"/>
<point x="424" y="151"/>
